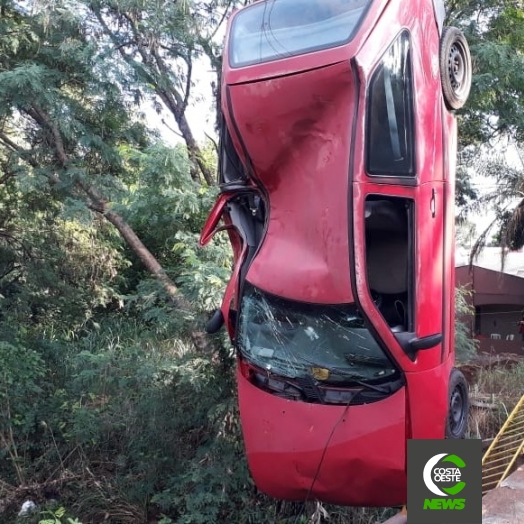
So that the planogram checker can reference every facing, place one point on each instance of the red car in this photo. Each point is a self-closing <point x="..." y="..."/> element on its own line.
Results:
<point x="337" y="169"/>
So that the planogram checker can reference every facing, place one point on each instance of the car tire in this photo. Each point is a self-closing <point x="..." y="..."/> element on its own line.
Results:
<point x="455" y="67"/>
<point x="458" y="406"/>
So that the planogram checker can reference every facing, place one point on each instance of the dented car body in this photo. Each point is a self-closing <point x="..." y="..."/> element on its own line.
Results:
<point x="337" y="165"/>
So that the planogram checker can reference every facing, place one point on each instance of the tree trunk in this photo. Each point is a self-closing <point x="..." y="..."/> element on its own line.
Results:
<point x="157" y="70"/>
<point x="98" y="203"/>
<point x="194" y="152"/>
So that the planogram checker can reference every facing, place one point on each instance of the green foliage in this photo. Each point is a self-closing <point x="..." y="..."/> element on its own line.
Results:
<point x="54" y="281"/>
<point x="20" y="375"/>
<point x="494" y="113"/>
<point x="465" y="345"/>
<point x="494" y="32"/>
<point x="57" y="516"/>
<point x="101" y="392"/>
<point x="168" y="209"/>
<point x="465" y="192"/>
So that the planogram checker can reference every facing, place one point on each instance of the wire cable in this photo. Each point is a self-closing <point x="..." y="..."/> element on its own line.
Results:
<point x="324" y="451"/>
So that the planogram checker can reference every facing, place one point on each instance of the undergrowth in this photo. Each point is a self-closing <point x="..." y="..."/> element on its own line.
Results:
<point x="499" y="388"/>
<point x="128" y="425"/>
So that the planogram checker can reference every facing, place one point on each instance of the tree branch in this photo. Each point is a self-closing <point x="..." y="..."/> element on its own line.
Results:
<point x="98" y="203"/>
<point x="22" y="153"/>
<point x="173" y="100"/>
<point x="57" y="137"/>
<point x="188" y="82"/>
<point x="176" y="103"/>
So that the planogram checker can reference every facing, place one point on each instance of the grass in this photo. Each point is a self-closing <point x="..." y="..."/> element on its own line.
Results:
<point x="318" y="513"/>
<point x="152" y="436"/>
<point x="500" y="387"/>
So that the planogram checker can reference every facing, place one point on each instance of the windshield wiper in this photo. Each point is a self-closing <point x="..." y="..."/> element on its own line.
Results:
<point x="299" y="369"/>
<point x="311" y="389"/>
<point x="387" y="388"/>
<point x="307" y="388"/>
<point x="367" y="359"/>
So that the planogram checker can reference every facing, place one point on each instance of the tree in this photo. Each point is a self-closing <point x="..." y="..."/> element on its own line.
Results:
<point x="65" y="119"/>
<point x="496" y="38"/>
<point x="159" y="44"/>
<point x="493" y="118"/>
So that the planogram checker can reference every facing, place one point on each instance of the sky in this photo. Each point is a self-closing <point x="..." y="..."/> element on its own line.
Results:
<point x="200" y="112"/>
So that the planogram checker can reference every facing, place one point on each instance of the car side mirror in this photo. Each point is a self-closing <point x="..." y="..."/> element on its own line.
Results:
<point x="411" y="343"/>
<point x="418" y="344"/>
<point x="215" y="323"/>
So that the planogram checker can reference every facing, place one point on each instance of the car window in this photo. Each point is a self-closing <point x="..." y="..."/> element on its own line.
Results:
<point x="276" y="29"/>
<point x="294" y="339"/>
<point x="390" y="128"/>
<point x="390" y="258"/>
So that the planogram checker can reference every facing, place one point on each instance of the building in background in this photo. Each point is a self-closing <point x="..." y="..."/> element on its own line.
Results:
<point x="497" y="295"/>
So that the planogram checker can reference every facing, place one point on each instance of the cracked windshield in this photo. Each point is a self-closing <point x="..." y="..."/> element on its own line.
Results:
<point x="292" y="339"/>
<point x="281" y="28"/>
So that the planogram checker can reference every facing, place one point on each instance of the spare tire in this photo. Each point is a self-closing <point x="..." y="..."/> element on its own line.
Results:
<point x="455" y="67"/>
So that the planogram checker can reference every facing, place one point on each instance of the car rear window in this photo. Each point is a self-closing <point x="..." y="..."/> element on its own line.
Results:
<point x="276" y="29"/>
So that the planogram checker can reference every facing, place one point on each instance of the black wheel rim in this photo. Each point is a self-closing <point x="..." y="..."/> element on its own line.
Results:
<point x="456" y="411"/>
<point x="457" y="64"/>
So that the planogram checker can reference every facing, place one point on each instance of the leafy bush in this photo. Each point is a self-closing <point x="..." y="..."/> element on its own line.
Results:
<point x="20" y="375"/>
<point x="465" y="345"/>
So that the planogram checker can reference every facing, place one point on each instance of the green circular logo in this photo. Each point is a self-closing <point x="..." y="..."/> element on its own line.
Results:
<point x="444" y="469"/>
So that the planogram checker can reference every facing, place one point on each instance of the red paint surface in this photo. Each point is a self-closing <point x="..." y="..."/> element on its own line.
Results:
<point x="215" y="215"/>
<point x="427" y="401"/>
<point x="295" y="130"/>
<point x="304" y="62"/>
<point x="364" y="461"/>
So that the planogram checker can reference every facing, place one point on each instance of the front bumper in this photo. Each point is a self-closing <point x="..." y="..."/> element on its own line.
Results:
<point x="348" y="455"/>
